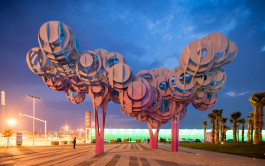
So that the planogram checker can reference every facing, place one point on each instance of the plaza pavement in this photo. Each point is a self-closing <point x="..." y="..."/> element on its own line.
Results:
<point x="131" y="154"/>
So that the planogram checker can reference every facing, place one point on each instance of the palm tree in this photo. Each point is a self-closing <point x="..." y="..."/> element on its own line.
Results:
<point x="212" y="118"/>
<point x="258" y="102"/>
<point x="225" y="129"/>
<point x="218" y="114"/>
<point x="204" y="124"/>
<point x="251" y="117"/>
<point x="250" y="123"/>
<point x="233" y="120"/>
<point x="222" y="123"/>
<point x="242" y="122"/>
<point x="237" y="132"/>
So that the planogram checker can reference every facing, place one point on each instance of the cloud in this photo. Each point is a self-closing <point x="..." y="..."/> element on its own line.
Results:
<point x="246" y="13"/>
<point x="263" y="49"/>
<point x="160" y="25"/>
<point x="171" y="62"/>
<point x="192" y="31"/>
<point x="187" y="29"/>
<point x="235" y="94"/>
<point x="228" y="27"/>
<point x="167" y="37"/>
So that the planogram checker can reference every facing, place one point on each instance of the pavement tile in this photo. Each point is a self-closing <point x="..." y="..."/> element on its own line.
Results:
<point x="130" y="154"/>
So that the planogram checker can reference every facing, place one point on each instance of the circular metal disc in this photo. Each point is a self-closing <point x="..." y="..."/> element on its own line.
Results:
<point x="136" y="90"/>
<point x="86" y="60"/>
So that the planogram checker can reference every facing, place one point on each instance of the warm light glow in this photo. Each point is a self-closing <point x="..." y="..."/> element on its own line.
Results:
<point x="66" y="127"/>
<point x="11" y="122"/>
<point x="81" y="129"/>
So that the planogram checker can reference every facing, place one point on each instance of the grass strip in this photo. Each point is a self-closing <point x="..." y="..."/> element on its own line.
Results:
<point x="241" y="148"/>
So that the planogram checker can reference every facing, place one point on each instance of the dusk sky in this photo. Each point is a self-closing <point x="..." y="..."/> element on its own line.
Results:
<point x="149" y="34"/>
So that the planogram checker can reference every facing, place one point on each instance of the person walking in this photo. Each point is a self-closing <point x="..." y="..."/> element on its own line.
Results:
<point x="74" y="142"/>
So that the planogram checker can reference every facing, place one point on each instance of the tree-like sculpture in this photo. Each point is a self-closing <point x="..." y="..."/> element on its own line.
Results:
<point x="154" y="96"/>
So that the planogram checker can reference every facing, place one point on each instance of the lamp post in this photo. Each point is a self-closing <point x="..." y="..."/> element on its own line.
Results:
<point x="80" y="133"/>
<point x="34" y="98"/>
<point x="38" y="120"/>
<point x="3" y="103"/>
<point x="66" y="129"/>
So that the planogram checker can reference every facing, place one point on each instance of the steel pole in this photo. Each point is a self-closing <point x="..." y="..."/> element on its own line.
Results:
<point x="45" y="132"/>
<point x="3" y="103"/>
<point x="45" y="123"/>
<point x="3" y="117"/>
<point x="33" y="119"/>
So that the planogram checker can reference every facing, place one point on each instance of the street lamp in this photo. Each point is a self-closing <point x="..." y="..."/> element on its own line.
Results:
<point x="11" y="122"/>
<point x="65" y="129"/>
<point x="34" y="98"/>
<point x="80" y="133"/>
<point x="45" y="122"/>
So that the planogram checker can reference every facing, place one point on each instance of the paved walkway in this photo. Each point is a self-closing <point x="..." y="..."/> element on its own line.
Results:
<point x="132" y="154"/>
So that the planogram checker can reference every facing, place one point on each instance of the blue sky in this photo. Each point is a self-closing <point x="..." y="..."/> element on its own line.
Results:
<point x="149" y="34"/>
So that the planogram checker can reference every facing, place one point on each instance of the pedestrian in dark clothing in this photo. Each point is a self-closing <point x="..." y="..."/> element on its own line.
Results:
<point x="130" y="140"/>
<point x="148" y="140"/>
<point x="74" y="142"/>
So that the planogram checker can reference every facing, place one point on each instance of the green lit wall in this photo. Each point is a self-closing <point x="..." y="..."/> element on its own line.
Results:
<point x="134" y="134"/>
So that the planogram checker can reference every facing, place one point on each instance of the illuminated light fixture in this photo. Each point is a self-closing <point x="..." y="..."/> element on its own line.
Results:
<point x="11" y="122"/>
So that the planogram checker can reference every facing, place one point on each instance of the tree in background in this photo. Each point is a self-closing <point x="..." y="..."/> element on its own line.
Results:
<point x="222" y="123"/>
<point x="212" y="118"/>
<point x="204" y="124"/>
<point x="258" y="102"/>
<point x="237" y="132"/>
<point x="250" y="124"/>
<point x="225" y="130"/>
<point x="7" y="133"/>
<point x="251" y="116"/>
<point x="218" y="114"/>
<point x="233" y="120"/>
<point x="242" y="122"/>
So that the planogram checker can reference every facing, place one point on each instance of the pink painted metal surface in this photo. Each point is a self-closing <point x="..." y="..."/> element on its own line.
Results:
<point x="99" y="135"/>
<point x="175" y="133"/>
<point x="153" y="136"/>
<point x="100" y="97"/>
<point x="154" y="96"/>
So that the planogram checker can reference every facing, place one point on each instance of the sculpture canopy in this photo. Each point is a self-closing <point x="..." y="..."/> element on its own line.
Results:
<point x="154" y="96"/>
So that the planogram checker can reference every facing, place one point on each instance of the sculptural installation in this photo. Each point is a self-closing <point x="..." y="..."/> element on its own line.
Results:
<point x="154" y="96"/>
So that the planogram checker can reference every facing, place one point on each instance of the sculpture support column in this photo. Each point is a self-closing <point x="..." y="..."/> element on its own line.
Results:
<point x="175" y="132"/>
<point x="153" y="137"/>
<point x="99" y="133"/>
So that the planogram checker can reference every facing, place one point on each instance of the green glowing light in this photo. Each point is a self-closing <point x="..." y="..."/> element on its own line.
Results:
<point x="134" y="134"/>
